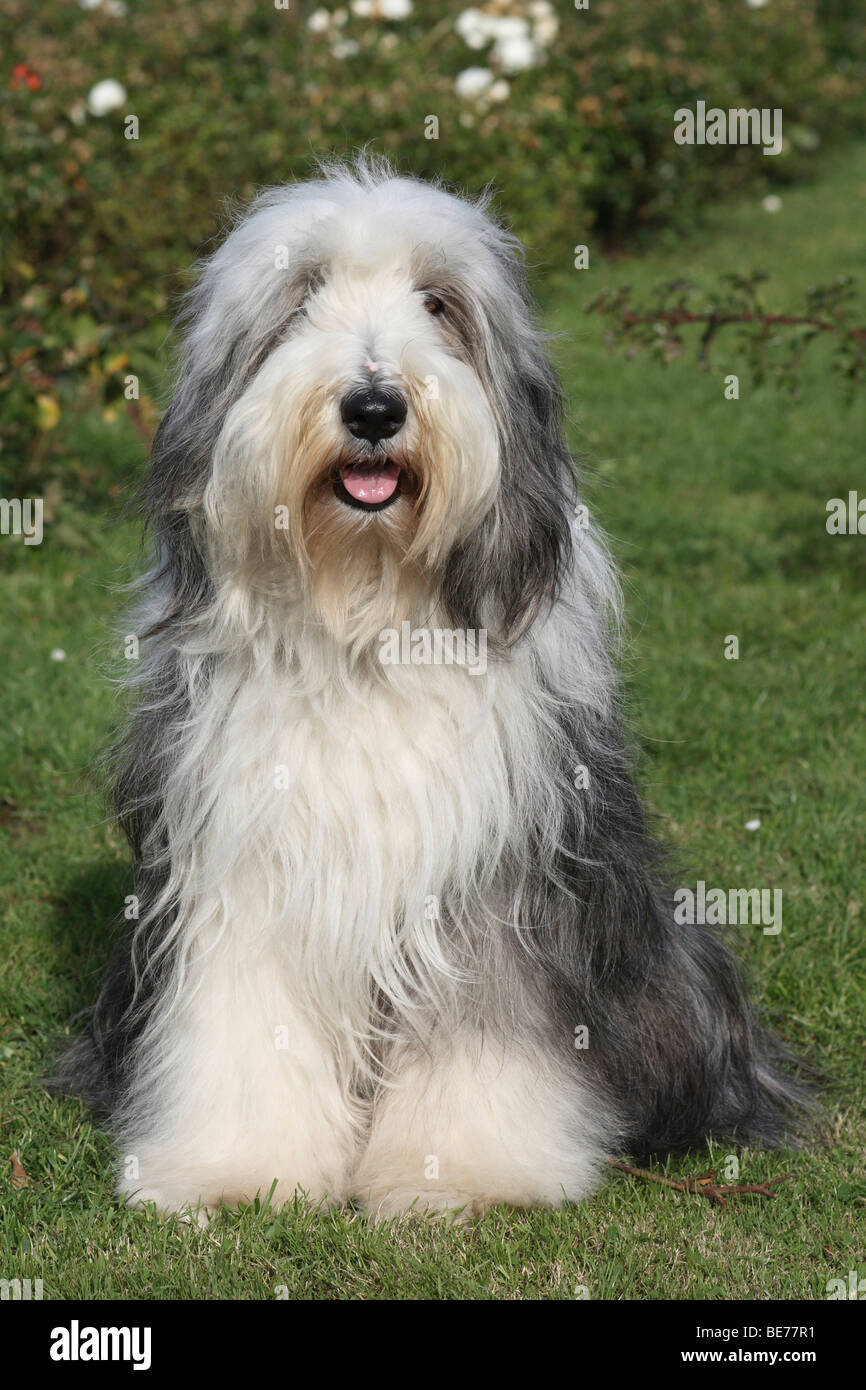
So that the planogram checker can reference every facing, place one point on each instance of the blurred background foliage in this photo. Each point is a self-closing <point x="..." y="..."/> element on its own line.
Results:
<point x="233" y="94"/>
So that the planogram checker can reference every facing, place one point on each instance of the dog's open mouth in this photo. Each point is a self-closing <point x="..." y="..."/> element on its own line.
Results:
<point x="370" y="485"/>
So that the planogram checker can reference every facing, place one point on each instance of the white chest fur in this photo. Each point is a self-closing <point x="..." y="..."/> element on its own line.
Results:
<point x="336" y="818"/>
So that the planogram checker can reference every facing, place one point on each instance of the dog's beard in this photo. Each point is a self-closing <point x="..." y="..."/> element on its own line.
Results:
<point x="359" y="525"/>
<point x="359" y="532"/>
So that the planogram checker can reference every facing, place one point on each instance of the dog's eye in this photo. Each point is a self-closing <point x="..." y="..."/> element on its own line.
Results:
<point x="433" y="304"/>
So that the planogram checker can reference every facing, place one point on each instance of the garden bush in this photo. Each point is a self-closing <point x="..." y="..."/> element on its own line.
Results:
<point x="569" y="113"/>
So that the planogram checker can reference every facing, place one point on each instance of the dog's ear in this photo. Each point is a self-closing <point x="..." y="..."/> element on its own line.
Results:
<point x="242" y="303"/>
<point x="220" y="352"/>
<point x="179" y="467"/>
<point x="525" y="540"/>
<point x="239" y="309"/>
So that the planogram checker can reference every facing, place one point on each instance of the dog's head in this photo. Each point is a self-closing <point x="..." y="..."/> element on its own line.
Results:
<point x="366" y="419"/>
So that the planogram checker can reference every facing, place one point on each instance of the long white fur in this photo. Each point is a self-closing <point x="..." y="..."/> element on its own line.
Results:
<point x="322" y="808"/>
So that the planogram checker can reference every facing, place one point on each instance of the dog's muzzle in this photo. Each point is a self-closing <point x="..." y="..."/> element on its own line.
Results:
<point x="371" y="414"/>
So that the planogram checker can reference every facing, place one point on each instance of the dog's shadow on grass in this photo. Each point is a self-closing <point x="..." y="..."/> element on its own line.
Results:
<point x="87" y="924"/>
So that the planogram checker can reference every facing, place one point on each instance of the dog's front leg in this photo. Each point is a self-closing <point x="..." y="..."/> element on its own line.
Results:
<point x="476" y="1122"/>
<point x="235" y="1089"/>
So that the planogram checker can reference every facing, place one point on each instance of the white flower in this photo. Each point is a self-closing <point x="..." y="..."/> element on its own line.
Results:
<point x="362" y="8"/>
<point x="476" y="29"/>
<point x="58" y="654"/>
<point x="757" y="4"/>
<point x="477" y="38"/>
<point x="753" y="824"/>
<point x="516" y="53"/>
<point x="395" y="9"/>
<point x="471" y="82"/>
<point x="499" y="91"/>
<point x="90" y="4"/>
<point x="319" y="21"/>
<point x="466" y="20"/>
<point x="508" y="26"/>
<point x="471" y="26"/>
<point x="106" y="96"/>
<point x="545" y="32"/>
<point x="545" y="22"/>
<point x="346" y="48"/>
<point x="772" y="203"/>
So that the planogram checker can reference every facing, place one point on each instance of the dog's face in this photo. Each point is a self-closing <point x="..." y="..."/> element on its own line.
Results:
<point x="364" y="444"/>
<point x="360" y="347"/>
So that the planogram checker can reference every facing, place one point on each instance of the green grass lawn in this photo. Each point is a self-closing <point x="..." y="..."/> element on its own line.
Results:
<point x="716" y="511"/>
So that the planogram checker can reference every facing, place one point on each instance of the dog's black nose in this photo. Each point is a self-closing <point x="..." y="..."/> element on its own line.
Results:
<point x="370" y="413"/>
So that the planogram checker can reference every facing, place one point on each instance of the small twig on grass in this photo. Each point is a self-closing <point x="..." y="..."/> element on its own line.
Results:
<point x="705" y="1183"/>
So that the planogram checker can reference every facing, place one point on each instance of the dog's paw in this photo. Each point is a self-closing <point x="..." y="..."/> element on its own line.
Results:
<point x="453" y="1204"/>
<point x="198" y="1203"/>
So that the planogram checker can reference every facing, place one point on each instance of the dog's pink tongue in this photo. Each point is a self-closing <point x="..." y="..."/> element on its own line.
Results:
<point x="374" y="482"/>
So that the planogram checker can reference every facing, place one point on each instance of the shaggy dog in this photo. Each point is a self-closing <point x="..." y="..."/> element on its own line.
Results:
<point x="402" y="936"/>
